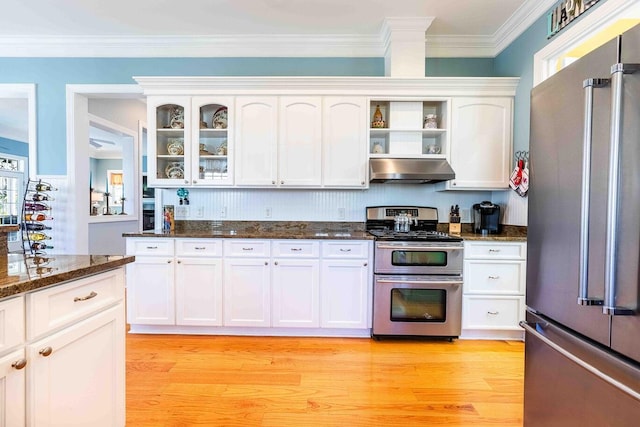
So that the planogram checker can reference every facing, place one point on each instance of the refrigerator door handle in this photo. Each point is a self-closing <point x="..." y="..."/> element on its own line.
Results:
<point x="531" y="328"/>
<point x="610" y="283"/>
<point x="583" y="294"/>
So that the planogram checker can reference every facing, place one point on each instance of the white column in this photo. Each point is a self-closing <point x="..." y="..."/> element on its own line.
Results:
<point x="404" y="42"/>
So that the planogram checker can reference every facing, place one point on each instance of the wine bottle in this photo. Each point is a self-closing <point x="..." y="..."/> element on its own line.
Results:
<point x="36" y="217"/>
<point x="40" y="197"/>
<point x="38" y="236"/>
<point x="44" y="186"/>
<point x="35" y="226"/>
<point x="32" y="206"/>
<point x="39" y="246"/>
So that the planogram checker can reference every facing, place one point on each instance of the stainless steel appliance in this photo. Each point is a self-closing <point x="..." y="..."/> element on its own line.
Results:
<point x="417" y="274"/>
<point x="582" y="348"/>
<point x="486" y="218"/>
<point x="409" y="171"/>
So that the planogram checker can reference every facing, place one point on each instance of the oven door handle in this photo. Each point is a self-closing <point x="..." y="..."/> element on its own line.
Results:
<point x="421" y="282"/>
<point x="431" y="248"/>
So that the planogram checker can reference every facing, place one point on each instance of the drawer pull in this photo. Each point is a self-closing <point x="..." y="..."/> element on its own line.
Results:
<point x="296" y="249"/>
<point x="494" y="250"/>
<point x="247" y="249"/>
<point x="200" y="248"/>
<point x="19" y="364"/>
<point x="493" y="313"/>
<point x="494" y="277"/>
<point x="46" y="351"/>
<point x="152" y="247"/>
<point x="345" y="250"/>
<point x="91" y="295"/>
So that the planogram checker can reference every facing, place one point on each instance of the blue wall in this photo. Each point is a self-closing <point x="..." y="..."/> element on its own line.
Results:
<point x="16" y="148"/>
<point x="460" y="67"/>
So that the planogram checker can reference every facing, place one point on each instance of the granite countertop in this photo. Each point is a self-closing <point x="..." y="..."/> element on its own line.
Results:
<point x="24" y="273"/>
<point x="263" y="230"/>
<point x="306" y="230"/>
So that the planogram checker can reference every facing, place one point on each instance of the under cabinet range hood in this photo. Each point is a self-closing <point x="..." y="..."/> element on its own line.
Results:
<point x="409" y="171"/>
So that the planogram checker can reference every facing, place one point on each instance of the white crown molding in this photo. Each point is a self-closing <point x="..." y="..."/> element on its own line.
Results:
<point x="278" y="45"/>
<point x="395" y="87"/>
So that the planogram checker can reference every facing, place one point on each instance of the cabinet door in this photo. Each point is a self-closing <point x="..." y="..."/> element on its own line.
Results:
<point x="481" y="140"/>
<point x="212" y="147"/>
<point x="77" y="376"/>
<point x="344" y="295"/>
<point x="199" y="291"/>
<point x="299" y="141"/>
<point x="247" y="292"/>
<point x="150" y="291"/>
<point x="295" y="299"/>
<point x="169" y="141"/>
<point x="256" y="141"/>
<point x="344" y="142"/>
<point x="12" y="389"/>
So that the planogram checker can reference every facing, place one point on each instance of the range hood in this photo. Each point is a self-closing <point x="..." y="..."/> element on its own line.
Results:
<point x="409" y="171"/>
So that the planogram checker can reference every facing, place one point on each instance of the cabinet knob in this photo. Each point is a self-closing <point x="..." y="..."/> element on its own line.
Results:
<point x="186" y="181"/>
<point x="365" y="264"/>
<point x="46" y="351"/>
<point x="361" y="182"/>
<point x="179" y="262"/>
<point x="195" y="182"/>
<point x="266" y="263"/>
<point x="168" y="261"/>
<point x="281" y="182"/>
<point x="276" y="263"/>
<point x="453" y="183"/>
<point x="273" y="182"/>
<point x="19" y="364"/>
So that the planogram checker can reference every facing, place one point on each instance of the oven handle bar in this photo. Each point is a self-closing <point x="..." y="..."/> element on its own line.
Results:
<point x="435" y="248"/>
<point x="421" y="282"/>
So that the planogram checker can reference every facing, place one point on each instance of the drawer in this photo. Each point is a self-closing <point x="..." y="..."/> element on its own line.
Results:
<point x="247" y="248"/>
<point x="345" y="249"/>
<point x="494" y="277"/>
<point x="295" y="248"/>
<point x="60" y="305"/>
<point x="11" y="323"/>
<point x="199" y="247"/>
<point x="495" y="250"/>
<point x="150" y="246"/>
<point x="480" y="312"/>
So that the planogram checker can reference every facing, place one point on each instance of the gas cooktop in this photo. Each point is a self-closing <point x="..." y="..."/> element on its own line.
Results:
<point x="414" y="235"/>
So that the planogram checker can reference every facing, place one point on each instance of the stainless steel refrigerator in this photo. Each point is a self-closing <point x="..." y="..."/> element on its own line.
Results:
<point x="582" y="345"/>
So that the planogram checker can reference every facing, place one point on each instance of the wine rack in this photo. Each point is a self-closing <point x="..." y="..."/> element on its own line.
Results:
<point x="36" y="214"/>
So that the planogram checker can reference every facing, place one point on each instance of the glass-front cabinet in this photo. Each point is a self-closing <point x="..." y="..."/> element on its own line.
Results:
<point x="189" y="141"/>
<point x="409" y="128"/>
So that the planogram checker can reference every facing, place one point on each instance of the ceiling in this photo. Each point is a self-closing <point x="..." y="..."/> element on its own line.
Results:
<point x="255" y="27"/>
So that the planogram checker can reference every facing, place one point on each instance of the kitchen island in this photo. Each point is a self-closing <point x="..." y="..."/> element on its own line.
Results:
<point x="62" y="353"/>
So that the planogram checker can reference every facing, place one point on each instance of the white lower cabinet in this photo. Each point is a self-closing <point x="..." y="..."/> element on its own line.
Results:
<point x="65" y="365"/>
<point x="494" y="289"/>
<point x="286" y="284"/>
<point x="12" y="389"/>
<point x="77" y="375"/>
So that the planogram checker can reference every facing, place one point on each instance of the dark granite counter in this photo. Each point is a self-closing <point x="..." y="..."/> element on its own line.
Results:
<point x="509" y="233"/>
<point x="26" y="273"/>
<point x="263" y="230"/>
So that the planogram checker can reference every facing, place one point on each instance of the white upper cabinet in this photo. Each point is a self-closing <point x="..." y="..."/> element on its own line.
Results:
<point x="299" y="141"/>
<point x="256" y="141"/>
<point x="344" y="142"/>
<point x="481" y="140"/>
<point x="190" y="141"/>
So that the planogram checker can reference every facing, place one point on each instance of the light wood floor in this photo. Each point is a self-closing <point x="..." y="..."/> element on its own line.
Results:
<point x="269" y="381"/>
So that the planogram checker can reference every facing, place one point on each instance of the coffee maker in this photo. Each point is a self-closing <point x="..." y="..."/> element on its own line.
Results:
<point x="486" y="218"/>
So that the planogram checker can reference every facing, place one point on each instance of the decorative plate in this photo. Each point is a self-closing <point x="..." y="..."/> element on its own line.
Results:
<point x="219" y="120"/>
<point x="174" y="170"/>
<point x="175" y="146"/>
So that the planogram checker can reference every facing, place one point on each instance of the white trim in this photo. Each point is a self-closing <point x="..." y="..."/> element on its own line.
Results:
<point x="77" y="116"/>
<point x="28" y="91"/>
<point x="398" y="87"/>
<point x="602" y="17"/>
<point x="270" y="45"/>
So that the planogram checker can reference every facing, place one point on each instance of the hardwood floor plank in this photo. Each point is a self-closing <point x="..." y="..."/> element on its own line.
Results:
<point x="282" y="381"/>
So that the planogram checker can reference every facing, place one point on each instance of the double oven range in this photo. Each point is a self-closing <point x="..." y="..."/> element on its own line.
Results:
<point x="417" y="274"/>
